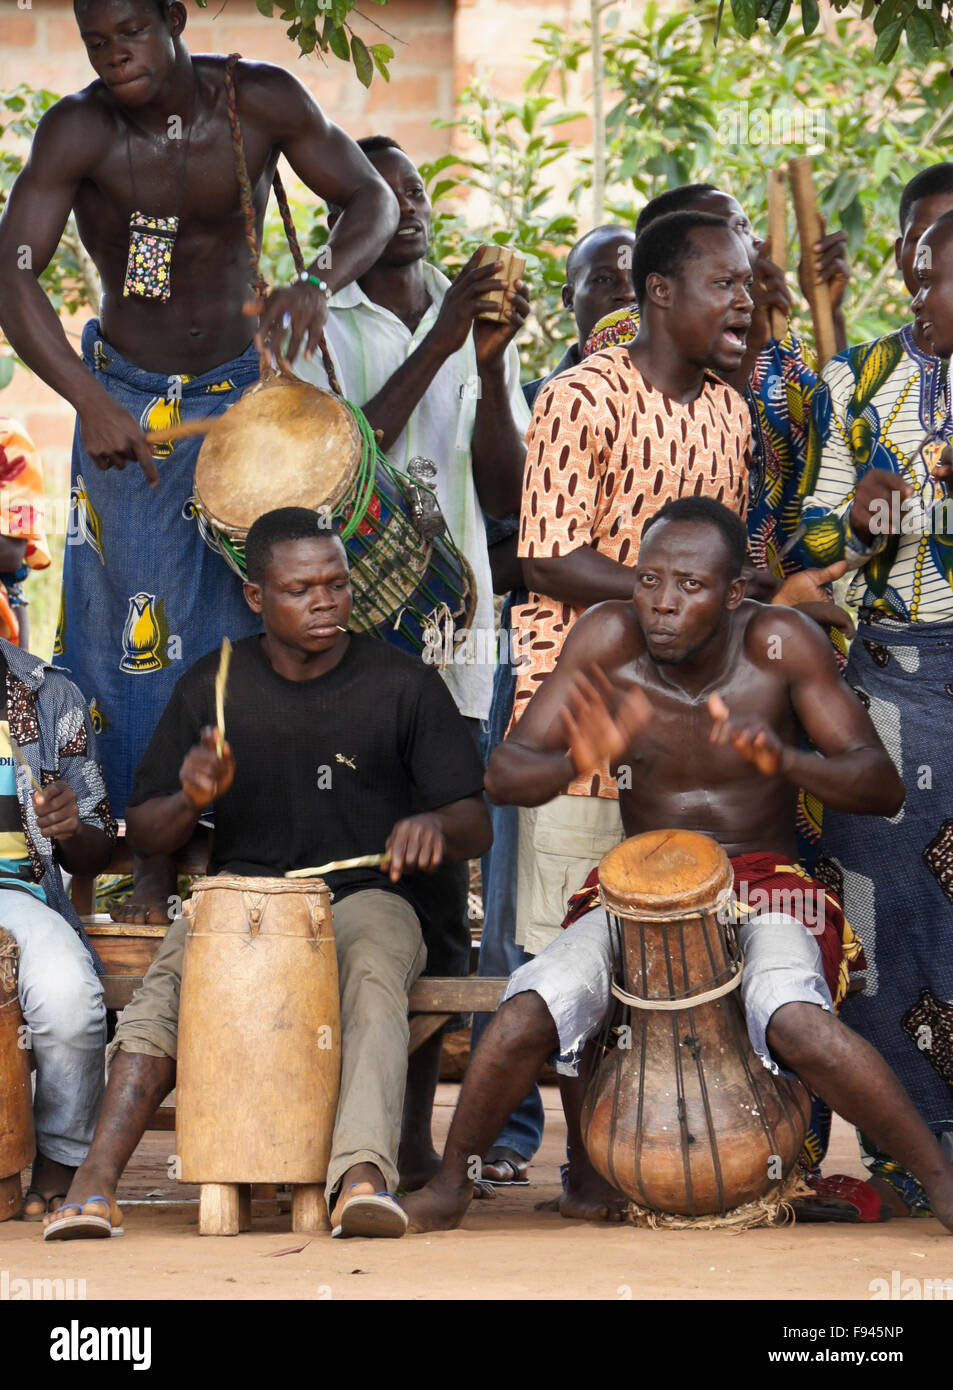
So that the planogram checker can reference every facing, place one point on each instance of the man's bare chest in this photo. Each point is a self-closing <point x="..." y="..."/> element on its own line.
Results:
<point x="194" y="179"/>
<point x="676" y="747"/>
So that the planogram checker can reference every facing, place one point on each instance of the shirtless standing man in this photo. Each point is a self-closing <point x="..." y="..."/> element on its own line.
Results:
<point x="143" y="596"/>
<point x="704" y="694"/>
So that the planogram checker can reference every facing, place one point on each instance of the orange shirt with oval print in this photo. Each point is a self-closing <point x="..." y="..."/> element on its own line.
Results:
<point x="605" y="452"/>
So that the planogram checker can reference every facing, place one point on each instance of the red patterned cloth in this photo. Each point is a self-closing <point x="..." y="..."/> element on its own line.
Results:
<point x="763" y="885"/>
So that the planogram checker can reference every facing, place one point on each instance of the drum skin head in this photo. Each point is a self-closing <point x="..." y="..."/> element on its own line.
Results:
<point x="664" y="873"/>
<point x="284" y="444"/>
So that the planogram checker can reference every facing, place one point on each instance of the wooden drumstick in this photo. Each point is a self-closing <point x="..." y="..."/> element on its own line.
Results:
<point x="809" y="231"/>
<point x="182" y="430"/>
<point x="221" y="680"/>
<point x="364" y="861"/>
<point x="778" y="237"/>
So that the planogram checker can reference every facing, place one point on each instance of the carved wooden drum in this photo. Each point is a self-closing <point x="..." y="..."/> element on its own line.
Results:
<point x="681" y="1115"/>
<point x="259" y="1042"/>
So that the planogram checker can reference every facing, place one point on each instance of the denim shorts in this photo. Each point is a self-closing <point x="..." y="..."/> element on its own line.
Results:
<point x="572" y="977"/>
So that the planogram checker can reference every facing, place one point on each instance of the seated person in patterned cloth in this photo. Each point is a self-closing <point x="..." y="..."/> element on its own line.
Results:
<point x="702" y="694"/>
<point x="306" y="698"/>
<point x="67" y="825"/>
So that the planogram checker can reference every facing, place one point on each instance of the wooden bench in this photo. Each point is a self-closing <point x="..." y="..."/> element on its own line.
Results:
<point x="127" y="951"/>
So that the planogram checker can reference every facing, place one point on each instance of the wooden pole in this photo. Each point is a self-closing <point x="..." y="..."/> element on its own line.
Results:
<point x="778" y="237"/>
<point x="809" y="231"/>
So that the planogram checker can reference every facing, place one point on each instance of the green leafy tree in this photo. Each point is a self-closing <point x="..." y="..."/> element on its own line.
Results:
<point x="682" y="108"/>
<point x="321" y="26"/>
<point x="927" y="25"/>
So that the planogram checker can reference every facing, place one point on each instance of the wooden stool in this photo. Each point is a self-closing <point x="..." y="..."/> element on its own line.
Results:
<point x="17" y="1144"/>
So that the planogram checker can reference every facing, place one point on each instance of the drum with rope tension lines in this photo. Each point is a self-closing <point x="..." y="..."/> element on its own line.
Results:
<point x="681" y="1115"/>
<point x="287" y="443"/>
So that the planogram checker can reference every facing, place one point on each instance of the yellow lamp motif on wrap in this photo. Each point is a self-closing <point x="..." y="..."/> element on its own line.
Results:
<point x="143" y="636"/>
<point x="89" y="526"/>
<point x="59" y="641"/>
<point x="161" y="413"/>
<point x="97" y="717"/>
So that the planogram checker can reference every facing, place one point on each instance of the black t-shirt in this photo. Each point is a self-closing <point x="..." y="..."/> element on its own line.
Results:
<point x="324" y="768"/>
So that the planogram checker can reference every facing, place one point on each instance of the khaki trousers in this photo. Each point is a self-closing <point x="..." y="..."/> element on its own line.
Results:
<point x="380" y="954"/>
<point x="559" y="846"/>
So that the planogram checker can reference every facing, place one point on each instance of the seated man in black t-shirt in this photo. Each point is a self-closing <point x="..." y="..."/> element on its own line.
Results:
<point x="339" y="745"/>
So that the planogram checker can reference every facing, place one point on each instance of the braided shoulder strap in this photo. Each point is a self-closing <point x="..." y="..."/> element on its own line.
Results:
<point x="257" y="280"/>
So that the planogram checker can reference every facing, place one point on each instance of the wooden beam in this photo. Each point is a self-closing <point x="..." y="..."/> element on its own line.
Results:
<point x="467" y="994"/>
<point x="436" y="995"/>
<point x="422" y="1027"/>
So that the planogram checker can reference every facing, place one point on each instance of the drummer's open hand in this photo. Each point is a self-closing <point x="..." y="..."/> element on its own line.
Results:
<point x="600" y="724"/>
<point x="417" y="843"/>
<point x="204" y="775"/>
<point x="748" y="735"/>
<point x="111" y="436"/>
<point x="831" y="265"/>
<point x="57" y="811"/>
<point x="306" y="308"/>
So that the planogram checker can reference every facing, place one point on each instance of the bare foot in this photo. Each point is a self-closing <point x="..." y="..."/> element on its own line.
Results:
<point x="436" y="1208"/>
<point x="588" y="1197"/>
<point x="50" y="1180"/>
<point x="88" y="1182"/>
<point x="154" y="883"/>
<point x="417" y="1168"/>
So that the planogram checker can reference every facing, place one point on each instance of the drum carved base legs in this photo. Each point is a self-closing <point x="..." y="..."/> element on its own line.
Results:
<point x="225" y="1208"/>
<point x="11" y="1197"/>
<point x="220" y="1208"/>
<point x="309" y="1212"/>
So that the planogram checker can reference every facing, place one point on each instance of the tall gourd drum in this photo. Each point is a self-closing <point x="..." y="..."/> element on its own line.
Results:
<point x="681" y="1115"/>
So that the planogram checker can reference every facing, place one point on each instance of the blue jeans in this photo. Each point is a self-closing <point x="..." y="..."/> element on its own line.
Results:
<point x="61" y="998"/>
<point x="499" y="954"/>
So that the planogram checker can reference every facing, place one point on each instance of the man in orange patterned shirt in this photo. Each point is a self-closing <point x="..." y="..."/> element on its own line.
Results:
<point x="611" y="442"/>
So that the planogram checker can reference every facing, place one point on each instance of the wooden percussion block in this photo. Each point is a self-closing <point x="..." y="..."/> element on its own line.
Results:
<point x="309" y="1211"/>
<point x="220" y="1209"/>
<point x="513" y="266"/>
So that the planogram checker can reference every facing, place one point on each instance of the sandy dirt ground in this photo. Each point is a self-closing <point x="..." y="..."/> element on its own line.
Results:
<point x="505" y="1249"/>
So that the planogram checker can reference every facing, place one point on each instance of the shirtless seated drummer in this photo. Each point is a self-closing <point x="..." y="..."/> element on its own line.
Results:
<point x="704" y="694"/>
<point x="339" y="745"/>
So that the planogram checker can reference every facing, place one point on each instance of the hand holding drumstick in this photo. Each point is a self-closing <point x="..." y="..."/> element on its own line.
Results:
<point x="206" y="774"/>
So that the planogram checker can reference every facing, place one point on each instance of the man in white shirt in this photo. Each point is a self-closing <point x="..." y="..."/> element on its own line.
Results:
<point x="441" y="384"/>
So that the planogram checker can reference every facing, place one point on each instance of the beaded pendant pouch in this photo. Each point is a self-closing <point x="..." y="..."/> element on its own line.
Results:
<point x="149" y="267"/>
